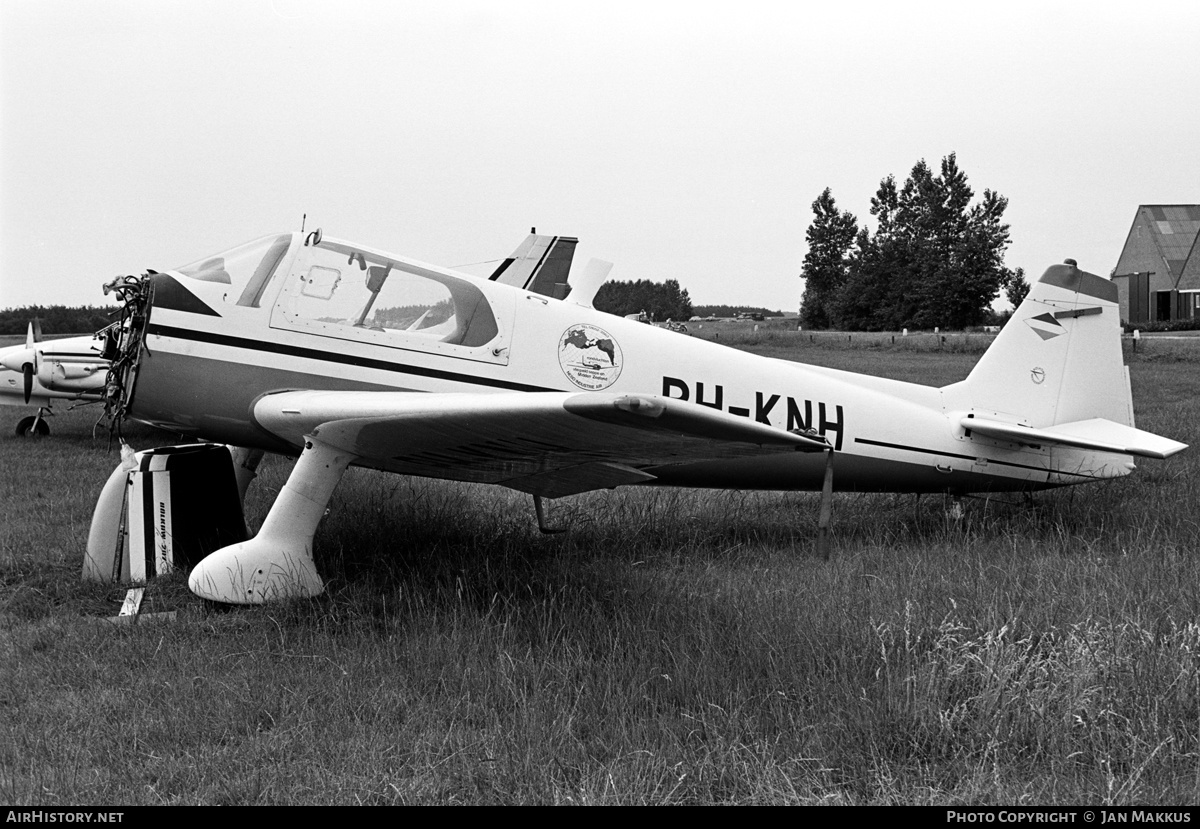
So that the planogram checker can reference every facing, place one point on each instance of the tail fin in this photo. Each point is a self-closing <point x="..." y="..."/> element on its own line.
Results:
<point x="1057" y="359"/>
<point x="540" y="264"/>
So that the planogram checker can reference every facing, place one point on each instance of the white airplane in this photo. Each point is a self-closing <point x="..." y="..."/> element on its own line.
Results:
<point x="346" y="355"/>
<point x="40" y="372"/>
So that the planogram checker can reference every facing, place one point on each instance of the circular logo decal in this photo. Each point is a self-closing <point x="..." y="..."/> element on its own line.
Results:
<point x="1037" y="375"/>
<point x="590" y="357"/>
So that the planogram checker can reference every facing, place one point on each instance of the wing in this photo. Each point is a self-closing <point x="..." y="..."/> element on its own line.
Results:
<point x="545" y="443"/>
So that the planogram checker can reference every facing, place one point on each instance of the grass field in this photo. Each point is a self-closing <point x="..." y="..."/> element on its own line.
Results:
<point x="675" y="647"/>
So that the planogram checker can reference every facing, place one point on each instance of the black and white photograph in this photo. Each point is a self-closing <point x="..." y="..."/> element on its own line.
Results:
<point x="529" y="403"/>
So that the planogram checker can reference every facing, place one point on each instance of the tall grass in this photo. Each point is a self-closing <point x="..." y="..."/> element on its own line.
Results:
<point x="674" y="647"/>
<point x="778" y="335"/>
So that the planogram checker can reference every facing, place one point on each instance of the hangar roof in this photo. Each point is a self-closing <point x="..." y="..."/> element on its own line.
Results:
<point x="1172" y="230"/>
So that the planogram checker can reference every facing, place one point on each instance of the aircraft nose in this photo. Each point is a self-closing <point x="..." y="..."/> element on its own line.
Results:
<point x="17" y="360"/>
<point x="24" y="361"/>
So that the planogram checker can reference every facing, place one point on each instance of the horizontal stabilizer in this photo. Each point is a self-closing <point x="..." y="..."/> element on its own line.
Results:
<point x="1098" y="434"/>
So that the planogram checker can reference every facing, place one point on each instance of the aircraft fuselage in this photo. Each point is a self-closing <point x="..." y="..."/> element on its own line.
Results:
<point x="211" y="348"/>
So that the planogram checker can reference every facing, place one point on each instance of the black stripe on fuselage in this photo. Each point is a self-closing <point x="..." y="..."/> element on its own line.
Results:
<point x="938" y="452"/>
<point x="419" y="371"/>
<point x="334" y="357"/>
<point x="149" y="529"/>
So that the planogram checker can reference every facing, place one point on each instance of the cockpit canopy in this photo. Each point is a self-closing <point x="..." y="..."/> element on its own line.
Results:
<point x="246" y="268"/>
<point x="333" y="288"/>
<point x="344" y="286"/>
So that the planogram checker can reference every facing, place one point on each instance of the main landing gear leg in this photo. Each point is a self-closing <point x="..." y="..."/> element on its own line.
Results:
<point x="278" y="563"/>
<point x="826" y="509"/>
<point x="245" y="468"/>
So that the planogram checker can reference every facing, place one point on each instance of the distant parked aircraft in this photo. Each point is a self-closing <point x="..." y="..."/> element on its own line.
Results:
<point x="42" y="371"/>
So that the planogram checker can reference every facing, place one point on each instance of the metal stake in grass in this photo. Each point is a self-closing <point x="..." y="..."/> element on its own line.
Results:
<point x="826" y="511"/>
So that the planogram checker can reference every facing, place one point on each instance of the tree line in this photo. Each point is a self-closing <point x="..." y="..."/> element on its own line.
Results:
<point x="57" y="319"/>
<point x="935" y="259"/>
<point x="733" y="311"/>
<point x="660" y="300"/>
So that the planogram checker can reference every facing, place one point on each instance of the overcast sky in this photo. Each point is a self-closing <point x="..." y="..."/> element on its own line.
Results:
<point x="678" y="140"/>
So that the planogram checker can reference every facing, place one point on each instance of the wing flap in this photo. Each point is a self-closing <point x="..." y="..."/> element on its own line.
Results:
<point x="1098" y="434"/>
<point x="576" y="479"/>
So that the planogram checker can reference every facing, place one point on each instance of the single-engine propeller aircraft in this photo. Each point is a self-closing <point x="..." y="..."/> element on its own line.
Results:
<point x="345" y="355"/>
<point x="42" y="371"/>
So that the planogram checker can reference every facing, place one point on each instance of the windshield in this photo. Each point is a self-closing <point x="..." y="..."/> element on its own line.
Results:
<point x="246" y="268"/>
<point x="344" y="287"/>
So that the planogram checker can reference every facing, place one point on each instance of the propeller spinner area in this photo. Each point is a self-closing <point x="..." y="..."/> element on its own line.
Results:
<point x="26" y="360"/>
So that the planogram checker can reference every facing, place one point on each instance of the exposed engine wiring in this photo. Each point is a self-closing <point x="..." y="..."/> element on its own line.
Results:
<point x="124" y="344"/>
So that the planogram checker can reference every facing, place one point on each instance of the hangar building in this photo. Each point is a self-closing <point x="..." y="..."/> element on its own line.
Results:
<point x="1158" y="273"/>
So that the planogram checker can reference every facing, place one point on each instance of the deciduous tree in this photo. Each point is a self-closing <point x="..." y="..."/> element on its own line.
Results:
<point x="660" y="300"/>
<point x="829" y="237"/>
<point x="1017" y="288"/>
<point x="934" y="260"/>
